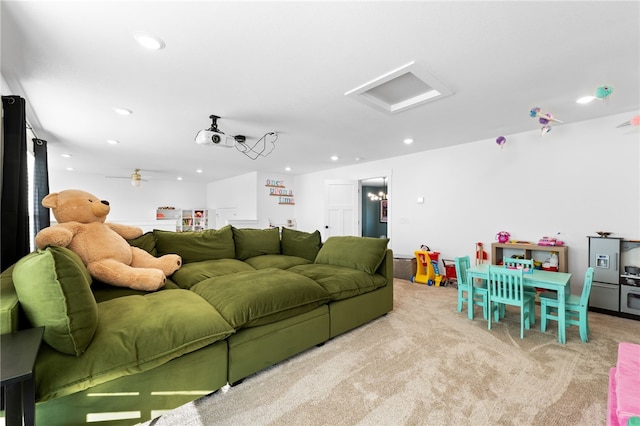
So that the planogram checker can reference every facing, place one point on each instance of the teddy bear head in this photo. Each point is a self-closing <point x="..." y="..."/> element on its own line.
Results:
<point x="74" y="205"/>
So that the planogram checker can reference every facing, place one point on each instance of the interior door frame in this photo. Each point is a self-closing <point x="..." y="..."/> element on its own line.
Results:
<point x="387" y="176"/>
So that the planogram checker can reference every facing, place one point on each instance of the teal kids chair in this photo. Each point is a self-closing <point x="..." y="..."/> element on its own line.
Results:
<point x="506" y="287"/>
<point x="513" y="263"/>
<point x="479" y="290"/>
<point x="577" y="307"/>
<point x="527" y="268"/>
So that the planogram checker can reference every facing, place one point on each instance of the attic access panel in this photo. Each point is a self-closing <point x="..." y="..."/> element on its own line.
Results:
<point x="406" y="87"/>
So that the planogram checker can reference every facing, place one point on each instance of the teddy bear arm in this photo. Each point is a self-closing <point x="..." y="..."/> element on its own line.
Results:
<point x="125" y="231"/>
<point x="56" y="235"/>
<point x="118" y="274"/>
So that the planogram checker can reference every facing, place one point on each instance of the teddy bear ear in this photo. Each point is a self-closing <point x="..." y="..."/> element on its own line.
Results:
<point x="51" y="200"/>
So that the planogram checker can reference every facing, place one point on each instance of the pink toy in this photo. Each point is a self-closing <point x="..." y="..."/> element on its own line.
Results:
<point x="546" y="241"/>
<point x="503" y="236"/>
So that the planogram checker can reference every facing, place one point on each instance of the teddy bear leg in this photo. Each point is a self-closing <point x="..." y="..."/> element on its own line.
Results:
<point x="169" y="263"/>
<point x="118" y="274"/>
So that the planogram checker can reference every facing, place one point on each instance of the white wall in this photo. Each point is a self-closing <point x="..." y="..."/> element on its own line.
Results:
<point x="134" y="206"/>
<point x="234" y="198"/>
<point x="244" y="200"/>
<point x="269" y="209"/>
<point x="578" y="179"/>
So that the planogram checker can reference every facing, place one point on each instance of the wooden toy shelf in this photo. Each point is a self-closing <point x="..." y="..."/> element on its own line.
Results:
<point x="528" y="249"/>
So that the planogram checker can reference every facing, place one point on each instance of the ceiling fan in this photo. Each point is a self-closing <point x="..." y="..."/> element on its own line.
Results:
<point x="136" y="178"/>
<point x="214" y="136"/>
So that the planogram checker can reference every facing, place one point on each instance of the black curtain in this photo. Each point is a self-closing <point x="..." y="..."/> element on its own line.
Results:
<point x="41" y="216"/>
<point x="14" y="212"/>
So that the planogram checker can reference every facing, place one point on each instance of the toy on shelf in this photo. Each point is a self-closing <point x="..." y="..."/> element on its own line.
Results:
<point x="546" y="241"/>
<point x="503" y="237"/>
<point x="427" y="271"/>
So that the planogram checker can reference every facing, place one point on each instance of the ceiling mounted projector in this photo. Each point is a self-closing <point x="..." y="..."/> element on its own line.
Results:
<point x="213" y="136"/>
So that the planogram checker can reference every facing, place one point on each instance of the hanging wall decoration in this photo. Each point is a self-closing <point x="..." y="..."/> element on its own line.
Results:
<point x="501" y="141"/>
<point x="603" y="92"/>
<point x="635" y="121"/>
<point x="277" y="188"/>
<point x="543" y="118"/>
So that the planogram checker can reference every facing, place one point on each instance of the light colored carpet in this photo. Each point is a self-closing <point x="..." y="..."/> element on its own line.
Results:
<point x="426" y="364"/>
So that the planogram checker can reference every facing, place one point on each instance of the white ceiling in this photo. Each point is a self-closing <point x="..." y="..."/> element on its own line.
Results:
<point x="286" y="66"/>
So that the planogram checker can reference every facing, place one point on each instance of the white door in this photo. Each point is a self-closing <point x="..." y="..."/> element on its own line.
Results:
<point x="341" y="201"/>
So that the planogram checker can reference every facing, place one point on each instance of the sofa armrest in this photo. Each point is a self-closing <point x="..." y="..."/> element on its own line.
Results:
<point x="9" y="305"/>
<point x="386" y="267"/>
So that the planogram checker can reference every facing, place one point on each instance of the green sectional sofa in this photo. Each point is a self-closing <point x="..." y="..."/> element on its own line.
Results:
<point x="243" y="300"/>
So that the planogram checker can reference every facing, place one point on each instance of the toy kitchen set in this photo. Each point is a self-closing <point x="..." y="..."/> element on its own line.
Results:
<point x="616" y="280"/>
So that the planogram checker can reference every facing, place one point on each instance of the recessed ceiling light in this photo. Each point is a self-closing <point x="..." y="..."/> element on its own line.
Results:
<point x="334" y="158"/>
<point x="198" y="170"/>
<point x="179" y="177"/>
<point x="112" y="142"/>
<point x="66" y="155"/>
<point x="70" y="169"/>
<point x="122" y="111"/>
<point x="408" y="141"/>
<point x="288" y="168"/>
<point x="149" y="41"/>
<point x="585" y="99"/>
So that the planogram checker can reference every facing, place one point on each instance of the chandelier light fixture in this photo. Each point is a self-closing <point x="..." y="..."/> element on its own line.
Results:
<point x="376" y="197"/>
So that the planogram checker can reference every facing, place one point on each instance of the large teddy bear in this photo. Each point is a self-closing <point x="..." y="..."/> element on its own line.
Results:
<point x="102" y="246"/>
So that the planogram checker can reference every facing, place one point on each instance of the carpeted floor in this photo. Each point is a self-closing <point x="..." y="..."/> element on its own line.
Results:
<point x="426" y="364"/>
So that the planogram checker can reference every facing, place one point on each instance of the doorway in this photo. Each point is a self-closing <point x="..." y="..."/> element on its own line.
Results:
<point x="374" y="207"/>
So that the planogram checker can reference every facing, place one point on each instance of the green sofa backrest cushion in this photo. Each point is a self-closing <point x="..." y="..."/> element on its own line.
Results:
<point x="54" y="289"/>
<point x="300" y="244"/>
<point x="197" y="246"/>
<point x="361" y="253"/>
<point x="146" y="242"/>
<point x="256" y="242"/>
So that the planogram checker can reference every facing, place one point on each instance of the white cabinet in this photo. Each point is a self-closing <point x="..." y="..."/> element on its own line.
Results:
<point x="192" y="220"/>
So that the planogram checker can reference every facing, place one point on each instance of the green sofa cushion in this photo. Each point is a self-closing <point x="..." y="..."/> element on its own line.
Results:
<point x="278" y="261"/>
<point x="10" y="312"/>
<point x="301" y="244"/>
<point x="361" y="253"/>
<point x="261" y="297"/>
<point x="146" y="242"/>
<point x="134" y="334"/>
<point x="256" y="242"/>
<point x="339" y="281"/>
<point x="54" y="288"/>
<point x="192" y="273"/>
<point x="197" y="246"/>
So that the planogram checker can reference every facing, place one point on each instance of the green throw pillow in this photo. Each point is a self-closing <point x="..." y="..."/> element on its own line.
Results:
<point x="361" y="253"/>
<point x="54" y="289"/>
<point x="146" y="242"/>
<point x="197" y="246"/>
<point x="256" y="242"/>
<point x="301" y="244"/>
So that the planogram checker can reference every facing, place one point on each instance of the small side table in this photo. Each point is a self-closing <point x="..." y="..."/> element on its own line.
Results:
<point x="19" y="351"/>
